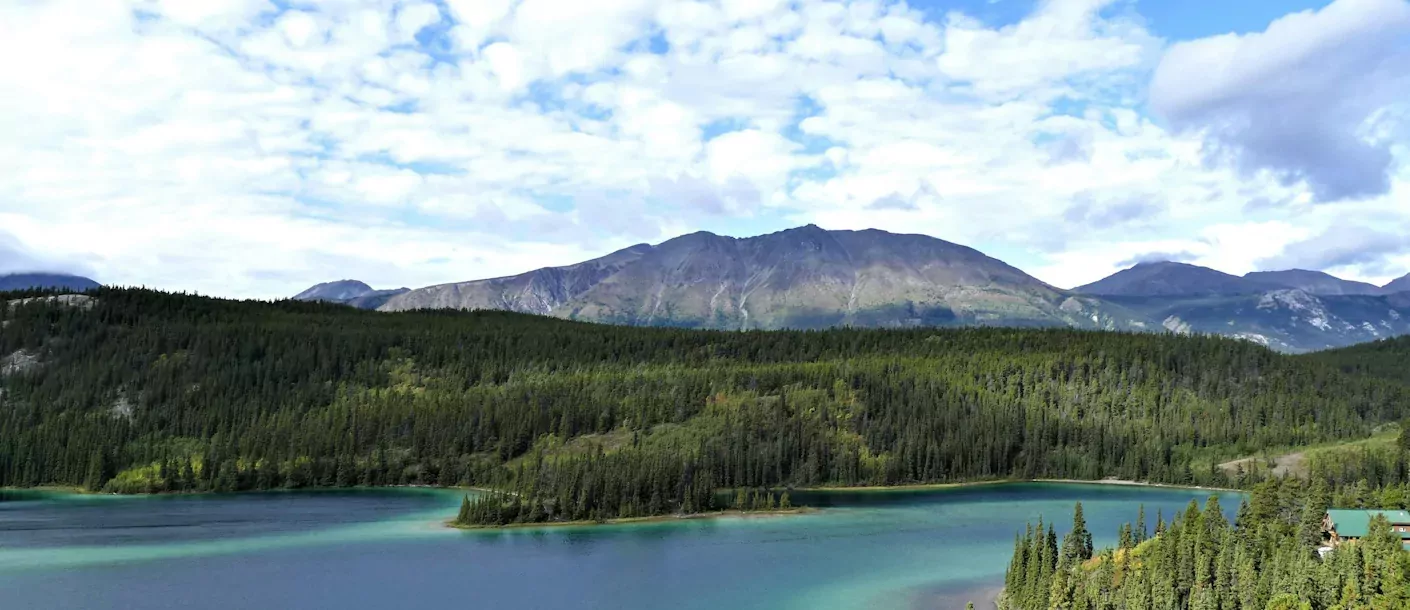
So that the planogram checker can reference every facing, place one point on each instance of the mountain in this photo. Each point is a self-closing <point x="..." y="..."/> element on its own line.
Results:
<point x="1170" y="279"/>
<point x="1291" y="311"/>
<point x="1401" y="284"/>
<point x="805" y="277"/>
<point x="349" y="292"/>
<point x="809" y="277"/>
<point x="26" y="281"/>
<point x="375" y="299"/>
<point x="337" y="292"/>
<point x="1313" y="282"/>
<point x="1285" y="319"/>
<point x="541" y="291"/>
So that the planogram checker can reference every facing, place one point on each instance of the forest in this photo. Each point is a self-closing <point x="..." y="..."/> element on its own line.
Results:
<point x="150" y="392"/>
<point x="1265" y="559"/>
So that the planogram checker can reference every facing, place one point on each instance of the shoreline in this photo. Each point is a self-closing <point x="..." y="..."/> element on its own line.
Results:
<point x="724" y="514"/>
<point x="940" y="486"/>
<point x="800" y="510"/>
<point x="819" y="489"/>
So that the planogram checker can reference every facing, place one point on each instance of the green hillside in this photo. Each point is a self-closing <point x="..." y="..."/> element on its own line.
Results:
<point x="146" y="391"/>
<point x="1384" y="359"/>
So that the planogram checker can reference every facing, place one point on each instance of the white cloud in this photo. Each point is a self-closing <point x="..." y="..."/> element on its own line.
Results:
<point x="412" y="18"/>
<point x="231" y="148"/>
<point x="1301" y="99"/>
<point x="1063" y="39"/>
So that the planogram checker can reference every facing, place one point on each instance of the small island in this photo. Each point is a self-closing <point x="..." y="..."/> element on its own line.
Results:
<point x="500" y="509"/>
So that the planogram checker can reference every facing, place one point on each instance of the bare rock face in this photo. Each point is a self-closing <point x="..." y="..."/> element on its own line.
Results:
<point x="80" y="301"/>
<point x="19" y="363"/>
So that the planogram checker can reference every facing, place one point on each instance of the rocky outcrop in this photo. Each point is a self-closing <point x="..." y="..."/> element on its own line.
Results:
<point x="80" y="301"/>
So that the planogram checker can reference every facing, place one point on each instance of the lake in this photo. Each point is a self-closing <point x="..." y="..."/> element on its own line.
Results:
<point x="350" y="550"/>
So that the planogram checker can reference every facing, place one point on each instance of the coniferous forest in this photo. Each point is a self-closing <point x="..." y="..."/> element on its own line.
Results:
<point x="1266" y="559"/>
<point x="152" y="392"/>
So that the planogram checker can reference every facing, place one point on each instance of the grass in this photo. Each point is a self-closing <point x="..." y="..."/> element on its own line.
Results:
<point x="1294" y="460"/>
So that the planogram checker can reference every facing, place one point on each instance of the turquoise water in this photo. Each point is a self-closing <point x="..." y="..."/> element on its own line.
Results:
<point x="386" y="549"/>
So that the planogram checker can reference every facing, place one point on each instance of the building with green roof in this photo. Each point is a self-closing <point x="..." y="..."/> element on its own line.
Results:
<point x="1343" y="525"/>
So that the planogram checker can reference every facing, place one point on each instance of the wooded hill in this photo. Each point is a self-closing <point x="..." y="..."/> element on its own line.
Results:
<point x="148" y="391"/>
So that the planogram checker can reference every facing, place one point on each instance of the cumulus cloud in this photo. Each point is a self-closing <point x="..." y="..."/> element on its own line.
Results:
<point x="1303" y="99"/>
<point x="1182" y="256"/>
<point x="18" y="257"/>
<point x="1343" y="246"/>
<point x="1061" y="41"/>
<point x="1087" y="212"/>
<point x="249" y="148"/>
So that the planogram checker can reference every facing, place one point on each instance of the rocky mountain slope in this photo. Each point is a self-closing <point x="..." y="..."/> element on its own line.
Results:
<point x="1286" y="319"/>
<point x="1292" y="311"/>
<point x="1313" y="282"/>
<point x="799" y="278"/>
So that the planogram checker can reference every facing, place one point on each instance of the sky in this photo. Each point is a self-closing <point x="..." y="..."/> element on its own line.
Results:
<point x="251" y="148"/>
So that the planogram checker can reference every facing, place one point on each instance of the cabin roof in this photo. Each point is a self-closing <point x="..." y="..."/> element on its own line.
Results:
<point x="1355" y="523"/>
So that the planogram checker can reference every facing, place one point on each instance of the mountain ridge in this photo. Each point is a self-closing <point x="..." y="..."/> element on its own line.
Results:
<point x="809" y="277"/>
<point x="1400" y="284"/>
<point x="1168" y="278"/>
<point x="1314" y="282"/>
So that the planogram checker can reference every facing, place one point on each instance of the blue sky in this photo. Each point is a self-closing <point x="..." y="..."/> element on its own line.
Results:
<point x="251" y="148"/>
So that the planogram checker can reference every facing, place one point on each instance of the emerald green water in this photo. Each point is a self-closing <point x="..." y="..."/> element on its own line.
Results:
<point x="386" y="549"/>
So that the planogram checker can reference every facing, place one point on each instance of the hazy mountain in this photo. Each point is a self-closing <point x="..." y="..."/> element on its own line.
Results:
<point x="799" y="278"/>
<point x="1401" y="284"/>
<point x="1294" y="310"/>
<point x="338" y="291"/>
<point x="349" y="292"/>
<point x="25" y="281"/>
<point x="1285" y="319"/>
<point x="1314" y="282"/>
<point x="1171" y="279"/>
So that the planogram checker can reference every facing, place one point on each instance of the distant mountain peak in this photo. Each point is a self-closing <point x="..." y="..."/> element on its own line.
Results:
<point x="1169" y="278"/>
<point x="337" y="291"/>
<point x="1314" y="282"/>
<point x="60" y="281"/>
<point x="801" y="277"/>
